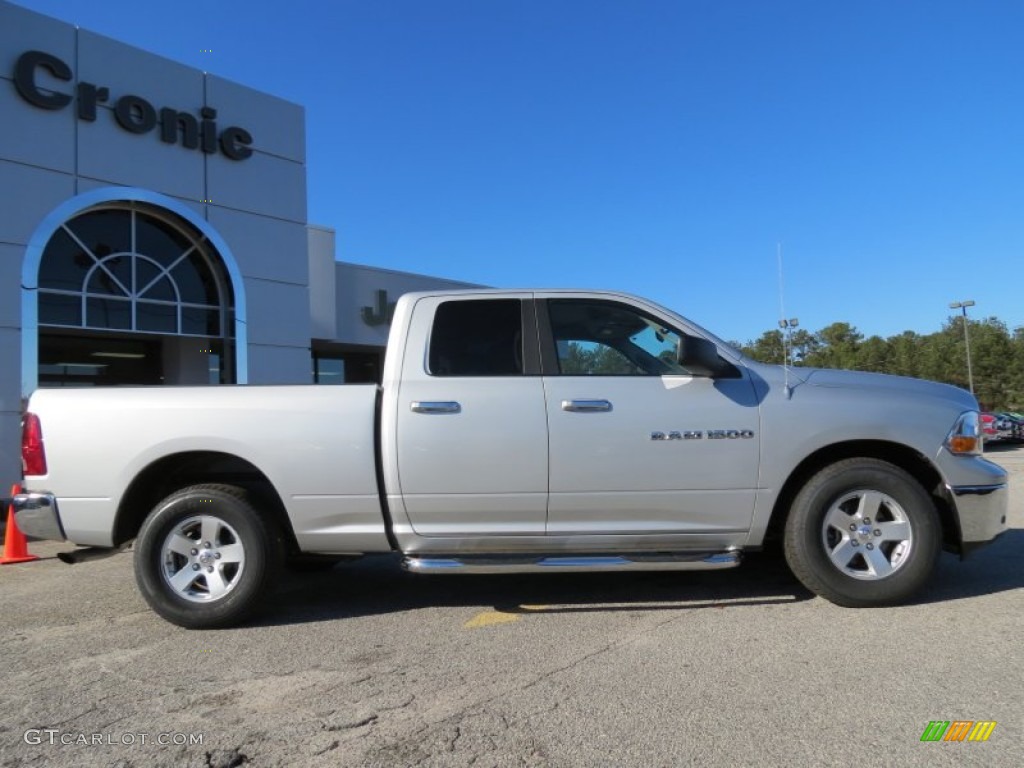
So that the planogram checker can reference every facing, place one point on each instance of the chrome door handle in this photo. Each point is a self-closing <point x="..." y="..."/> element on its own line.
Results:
<point x="586" y="406"/>
<point x="435" y="407"/>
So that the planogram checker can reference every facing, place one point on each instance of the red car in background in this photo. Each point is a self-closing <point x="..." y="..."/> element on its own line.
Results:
<point x="988" y="427"/>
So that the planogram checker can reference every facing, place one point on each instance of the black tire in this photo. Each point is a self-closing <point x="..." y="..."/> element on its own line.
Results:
<point x="857" y="564"/>
<point x="212" y="586"/>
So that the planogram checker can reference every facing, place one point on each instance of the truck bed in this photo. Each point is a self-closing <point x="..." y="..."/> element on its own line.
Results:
<point x="314" y="444"/>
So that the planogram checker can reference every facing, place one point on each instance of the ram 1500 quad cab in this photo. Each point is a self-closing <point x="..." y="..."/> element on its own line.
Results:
<point x="543" y="431"/>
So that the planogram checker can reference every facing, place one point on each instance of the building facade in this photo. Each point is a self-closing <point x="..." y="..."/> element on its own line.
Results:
<point x="153" y="230"/>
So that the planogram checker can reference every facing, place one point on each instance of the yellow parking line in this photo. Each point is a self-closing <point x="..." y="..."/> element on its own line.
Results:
<point x="490" y="618"/>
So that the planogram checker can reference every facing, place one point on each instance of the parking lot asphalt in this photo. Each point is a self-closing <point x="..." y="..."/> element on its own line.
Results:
<point x="368" y="665"/>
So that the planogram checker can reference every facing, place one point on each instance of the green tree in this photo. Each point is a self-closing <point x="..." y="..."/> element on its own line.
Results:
<point x="767" y="348"/>
<point x="873" y="355"/>
<point x="838" y="345"/>
<point x="904" y="353"/>
<point x="992" y="361"/>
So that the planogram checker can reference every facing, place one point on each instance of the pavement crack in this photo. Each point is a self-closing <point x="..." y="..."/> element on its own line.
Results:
<point x="455" y="739"/>
<point x="403" y="705"/>
<point x="75" y="717"/>
<point x="115" y="720"/>
<point x="332" y="746"/>
<point x="610" y="646"/>
<point x="352" y="726"/>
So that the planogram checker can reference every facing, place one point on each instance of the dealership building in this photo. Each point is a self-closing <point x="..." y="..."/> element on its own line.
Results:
<point x="153" y="231"/>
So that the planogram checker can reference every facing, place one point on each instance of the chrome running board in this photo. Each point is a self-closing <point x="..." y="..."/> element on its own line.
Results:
<point x="669" y="561"/>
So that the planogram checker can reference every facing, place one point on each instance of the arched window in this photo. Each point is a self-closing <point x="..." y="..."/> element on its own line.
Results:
<point x="134" y="268"/>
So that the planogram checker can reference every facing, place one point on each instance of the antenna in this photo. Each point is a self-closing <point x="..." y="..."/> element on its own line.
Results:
<point x="782" y="304"/>
<point x="787" y="327"/>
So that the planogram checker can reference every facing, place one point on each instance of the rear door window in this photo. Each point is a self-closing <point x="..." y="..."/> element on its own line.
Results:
<point x="478" y="337"/>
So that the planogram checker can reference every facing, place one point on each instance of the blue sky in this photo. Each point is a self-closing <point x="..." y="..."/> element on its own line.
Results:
<point x="662" y="147"/>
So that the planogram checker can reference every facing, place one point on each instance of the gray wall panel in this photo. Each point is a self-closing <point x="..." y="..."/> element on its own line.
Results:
<point x="128" y="70"/>
<point x="10" y="448"/>
<point x="261" y="184"/>
<point x="108" y="153"/>
<point x="23" y="30"/>
<point x="323" y="316"/>
<point x="278" y="127"/>
<point x="10" y="386"/>
<point x="278" y="313"/>
<point x="279" y="365"/>
<point x="11" y="257"/>
<point x="36" y="136"/>
<point x="266" y="248"/>
<point x="29" y="194"/>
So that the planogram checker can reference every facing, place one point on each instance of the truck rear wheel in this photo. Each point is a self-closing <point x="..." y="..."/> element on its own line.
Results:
<point x="205" y="556"/>
<point x="862" y="533"/>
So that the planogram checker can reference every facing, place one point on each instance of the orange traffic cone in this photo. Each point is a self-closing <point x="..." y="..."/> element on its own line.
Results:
<point x="15" y="546"/>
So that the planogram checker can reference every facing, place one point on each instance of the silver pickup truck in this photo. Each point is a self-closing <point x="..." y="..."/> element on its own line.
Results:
<point x="543" y="431"/>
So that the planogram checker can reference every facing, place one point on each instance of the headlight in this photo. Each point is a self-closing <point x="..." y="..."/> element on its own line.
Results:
<point x="964" y="439"/>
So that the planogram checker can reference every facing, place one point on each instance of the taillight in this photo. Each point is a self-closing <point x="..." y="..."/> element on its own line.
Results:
<point x="33" y="456"/>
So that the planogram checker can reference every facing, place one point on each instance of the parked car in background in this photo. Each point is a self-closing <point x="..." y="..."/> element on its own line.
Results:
<point x="1010" y="426"/>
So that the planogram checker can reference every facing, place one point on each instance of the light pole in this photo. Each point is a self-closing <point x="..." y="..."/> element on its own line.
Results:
<point x="962" y="306"/>
<point x="787" y="327"/>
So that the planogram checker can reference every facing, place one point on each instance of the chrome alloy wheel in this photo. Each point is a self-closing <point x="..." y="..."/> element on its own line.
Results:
<point x="202" y="558"/>
<point x="867" y="535"/>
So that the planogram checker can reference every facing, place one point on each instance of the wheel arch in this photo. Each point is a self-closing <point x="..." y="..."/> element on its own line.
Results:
<point x="906" y="458"/>
<point x="175" y="471"/>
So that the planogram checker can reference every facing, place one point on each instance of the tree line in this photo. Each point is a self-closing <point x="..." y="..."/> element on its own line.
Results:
<point x="997" y="355"/>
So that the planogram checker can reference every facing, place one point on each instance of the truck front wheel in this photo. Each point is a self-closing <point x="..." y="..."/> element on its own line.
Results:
<point x="862" y="533"/>
<point x="204" y="557"/>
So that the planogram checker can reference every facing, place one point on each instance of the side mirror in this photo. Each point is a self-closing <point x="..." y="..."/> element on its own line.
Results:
<point x="700" y="357"/>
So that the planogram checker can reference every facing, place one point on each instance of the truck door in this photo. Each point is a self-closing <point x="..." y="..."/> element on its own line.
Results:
<point x="471" y="430"/>
<point x="637" y="444"/>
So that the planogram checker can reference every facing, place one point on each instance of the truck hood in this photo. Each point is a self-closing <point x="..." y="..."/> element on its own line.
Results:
<point x="824" y="377"/>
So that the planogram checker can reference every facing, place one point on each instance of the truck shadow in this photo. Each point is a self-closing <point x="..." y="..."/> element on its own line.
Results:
<point x="992" y="569"/>
<point x="377" y="585"/>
